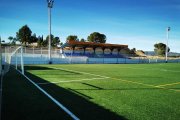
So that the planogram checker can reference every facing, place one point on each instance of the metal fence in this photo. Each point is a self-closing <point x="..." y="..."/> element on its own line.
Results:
<point x="40" y="56"/>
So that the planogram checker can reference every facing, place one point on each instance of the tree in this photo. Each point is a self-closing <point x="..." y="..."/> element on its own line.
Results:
<point x="46" y="42"/>
<point x="40" y="41"/>
<point x="97" y="37"/>
<point x="82" y="40"/>
<point x="24" y="34"/>
<point x="12" y="40"/>
<point x="133" y="51"/>
<point x="60" y="43"/>
<point x="160" y="48"/>
<point x="72" y="38"/>
<point x="34" y="38"/>
<point x="54" y="41"/>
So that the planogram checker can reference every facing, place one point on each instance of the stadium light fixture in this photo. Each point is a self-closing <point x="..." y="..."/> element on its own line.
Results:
<point x="168" y="29"/>
<point x="50" y="5"/>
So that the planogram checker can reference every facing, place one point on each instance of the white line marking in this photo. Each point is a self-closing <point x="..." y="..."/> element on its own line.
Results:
<point x="164" y="70"/>
<point x="123" y="79"/>
<point x="139" y="68"/>
<point x="53" y="99"/>
<point x="169" y="84"/>
<point x="68" y="81"/>
<point x="79" y="72"/>
<point x="169" y="70"/>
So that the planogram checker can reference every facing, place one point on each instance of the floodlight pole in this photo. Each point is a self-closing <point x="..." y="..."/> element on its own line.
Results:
<point x="168" y="29"/>
<point x="0" y="58"/>
<point x="50" y="5"/>
<point x="0" y="78"/>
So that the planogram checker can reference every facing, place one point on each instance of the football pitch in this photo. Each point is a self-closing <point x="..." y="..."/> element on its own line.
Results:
<point x="93" y="92"/>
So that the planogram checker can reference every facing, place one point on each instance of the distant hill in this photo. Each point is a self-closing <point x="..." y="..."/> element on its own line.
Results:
<point x="173" y="54"/>
<point x="152" y="53"/>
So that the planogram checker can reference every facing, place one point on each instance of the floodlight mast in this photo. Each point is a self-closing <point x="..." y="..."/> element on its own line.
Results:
<point x="50" y="5"/>
<point x="168" y="29"/>
<point x="0" y="78"/>
<point x="0" y="59"/>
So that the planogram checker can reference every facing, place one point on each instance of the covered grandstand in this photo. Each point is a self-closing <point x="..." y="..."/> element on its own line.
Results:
<point x="91" y="49"/>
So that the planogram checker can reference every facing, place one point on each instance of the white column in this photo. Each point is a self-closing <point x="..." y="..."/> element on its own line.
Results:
<point x="49" y="11"/>
<point x="168" y="29"/>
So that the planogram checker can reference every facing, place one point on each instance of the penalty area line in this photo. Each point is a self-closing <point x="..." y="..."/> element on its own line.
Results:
<point x="127" y="81"/>
<point x="79" y="72"/>
<point x="50" y="97"/>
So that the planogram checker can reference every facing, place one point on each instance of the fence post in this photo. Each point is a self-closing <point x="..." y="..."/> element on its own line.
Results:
<point x="25" y="49"/>
<point x="139" y="59"/>
<point x="33" y="51"/>
<point x="41" y="52"/>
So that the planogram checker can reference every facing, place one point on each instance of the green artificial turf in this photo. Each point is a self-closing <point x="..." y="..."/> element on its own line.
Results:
<point x="98" y="91"/>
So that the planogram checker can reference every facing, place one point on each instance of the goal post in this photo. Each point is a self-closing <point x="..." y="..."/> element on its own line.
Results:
<point x="14" y="58"/>
<point x="22" y="61"/>
<point x="17" y="59"/>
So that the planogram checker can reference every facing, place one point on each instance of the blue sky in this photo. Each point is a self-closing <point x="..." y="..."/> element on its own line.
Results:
<point x="137" y="23"/>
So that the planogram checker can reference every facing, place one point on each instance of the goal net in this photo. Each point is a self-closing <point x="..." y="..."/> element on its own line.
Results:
<point x="78" y="60"/>
<point x="12" y="56"/>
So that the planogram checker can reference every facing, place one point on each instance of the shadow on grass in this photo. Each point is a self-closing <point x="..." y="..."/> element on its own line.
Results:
<point x="115" y="89"/>
<point x="21" y="100"/>
<point x="80" y="106"/>
<point x="121" y="89"/>
<point x="37" y="68"/>
<point x="46" y="68"/>
<point x="99" y="88"/>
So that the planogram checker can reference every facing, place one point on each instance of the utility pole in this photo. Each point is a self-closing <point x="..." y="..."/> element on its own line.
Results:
<point x="168" y="29"/>
<point x="50" y="5"/>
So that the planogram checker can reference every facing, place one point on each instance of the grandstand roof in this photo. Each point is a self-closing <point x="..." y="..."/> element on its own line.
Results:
<point x="93" y="45"/>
